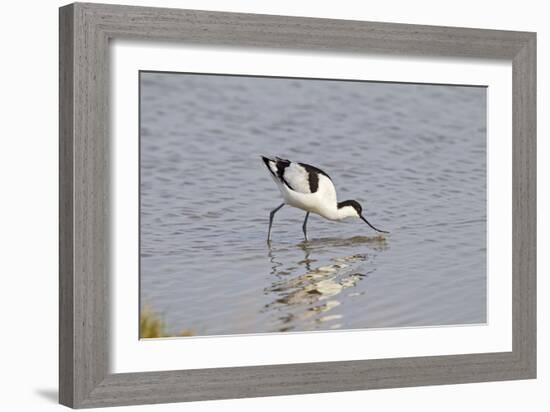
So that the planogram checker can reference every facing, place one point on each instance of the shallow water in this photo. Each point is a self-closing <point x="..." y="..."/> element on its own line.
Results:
<point x="413" y="155"/>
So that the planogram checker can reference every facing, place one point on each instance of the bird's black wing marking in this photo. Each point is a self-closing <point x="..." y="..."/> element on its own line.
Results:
<point x="282" y="164"/>
<point x="313" y="176"/>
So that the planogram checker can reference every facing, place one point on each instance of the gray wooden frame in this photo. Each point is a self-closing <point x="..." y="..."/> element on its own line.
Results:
<point x="85" y="31"/>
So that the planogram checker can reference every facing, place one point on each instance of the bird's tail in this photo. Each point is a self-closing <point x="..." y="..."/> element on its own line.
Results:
<point x="270" y="164"/>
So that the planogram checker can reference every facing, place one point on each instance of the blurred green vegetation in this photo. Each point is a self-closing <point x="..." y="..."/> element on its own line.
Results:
<point x="151" y="325"/>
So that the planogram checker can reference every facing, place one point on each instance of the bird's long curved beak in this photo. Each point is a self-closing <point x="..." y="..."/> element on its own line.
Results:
<point x="367" y="222"/>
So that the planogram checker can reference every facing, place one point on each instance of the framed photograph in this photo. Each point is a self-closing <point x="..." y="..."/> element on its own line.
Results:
<point x="257" y="205"/>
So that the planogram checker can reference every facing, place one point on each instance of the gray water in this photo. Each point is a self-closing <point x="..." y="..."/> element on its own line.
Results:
<point x="413" y="155"/>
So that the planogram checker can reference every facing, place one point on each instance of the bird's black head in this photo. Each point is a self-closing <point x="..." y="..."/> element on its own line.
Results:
<point x="359" y="210"/>
<point x="353" y="203"/>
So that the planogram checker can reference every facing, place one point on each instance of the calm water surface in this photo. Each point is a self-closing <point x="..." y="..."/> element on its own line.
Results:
<point x="413" y="155"/>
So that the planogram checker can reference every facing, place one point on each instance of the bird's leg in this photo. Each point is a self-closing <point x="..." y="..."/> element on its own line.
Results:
<point x="271" y="214"/>
<point x="304" y="226"/>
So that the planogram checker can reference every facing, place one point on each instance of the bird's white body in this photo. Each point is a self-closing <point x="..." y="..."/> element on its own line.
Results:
<point x="308" y="188"/>
<point x="295" y="186"/>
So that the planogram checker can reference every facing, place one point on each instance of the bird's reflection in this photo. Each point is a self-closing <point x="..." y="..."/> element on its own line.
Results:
<point x="306" y="292"/>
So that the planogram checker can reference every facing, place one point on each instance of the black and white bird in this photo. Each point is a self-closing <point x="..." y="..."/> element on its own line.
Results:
<point x="308" y="188"/>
